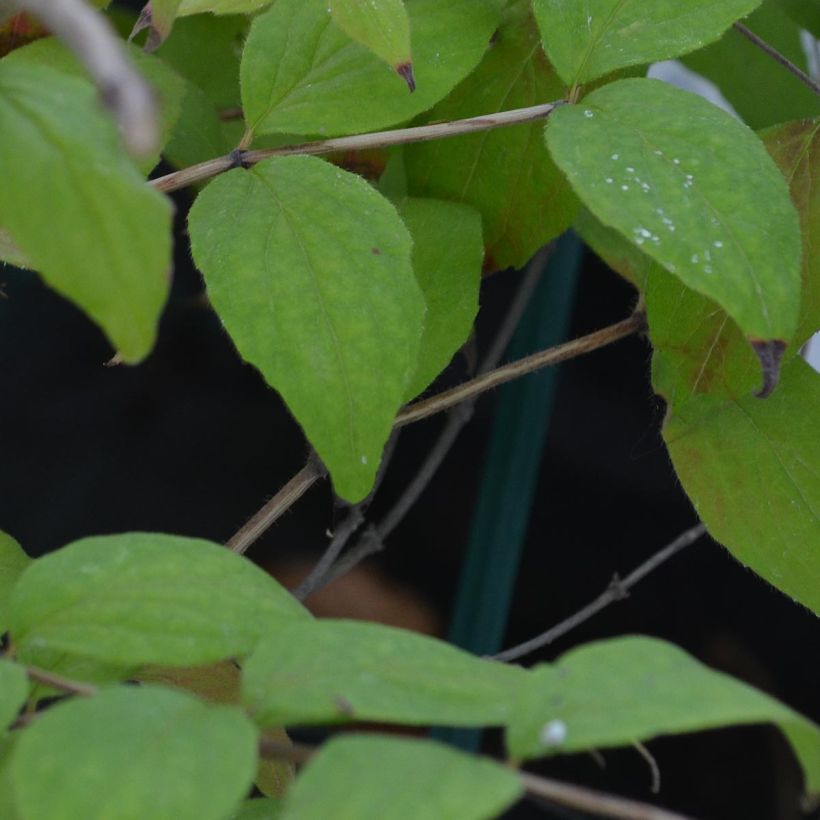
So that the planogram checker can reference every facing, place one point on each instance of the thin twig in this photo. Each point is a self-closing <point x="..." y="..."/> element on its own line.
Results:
<point x="372" y="540"/>
<point x="59" y="682"/>
<point x="359" y="142"/>
<point x="616" y="591"/>
<point x="594" y="802"/>
<point x="277" y="506"/>
<point x="778" y="57"/>
<point x="95" y="43"/>
<point x="521" y="367"/>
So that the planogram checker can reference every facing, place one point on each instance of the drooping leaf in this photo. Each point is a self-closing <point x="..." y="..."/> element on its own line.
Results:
<point x="75" y="205"/>
<point x="383" y="27"/>
<point x="586" y="40"/>
<point x="168" y="87"/>
<point x="447" y="255"/>
<point x="689" y="197"/>
<point x="13" y="561"/>
<point x="506" y="174"/>
<point x="746" y="75"/>
<point x="299" y="71"/>
<point x="309" y="269"/>
<point x="135" y="752"/>
<point x="13" y="691"/>
<point x="331" y="671"/>
<point x="750" y="468"/>
<point x="614" y="692"/>
<point x="144" y="598"/>
<point x="431" y="779"/>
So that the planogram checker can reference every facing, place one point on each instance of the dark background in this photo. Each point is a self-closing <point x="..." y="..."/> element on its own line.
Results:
<point x="192" y="442"/>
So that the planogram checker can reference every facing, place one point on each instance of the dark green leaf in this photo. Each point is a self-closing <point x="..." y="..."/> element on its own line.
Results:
<point x="587" y="40"/>
<point x="746" y="75"/>
<point x="506" y="174"/>
<point x="300" y="72"/>
<point x="690" y="197"/>
<point x="134" y="753"/>
<point x="615" y="692"/>
<point x="13" y="691"/>
<point x="12" y="563"/>
<point x="309" y="268"/>
<point x="447" y="256"/>
<point x="330" y="671"/>
<point x="78" y="209"/>
<point x="142" y="598"/>
<point x="370" y="778"/>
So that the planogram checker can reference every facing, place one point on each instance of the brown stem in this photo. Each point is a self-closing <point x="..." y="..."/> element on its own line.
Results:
<point x="59" y="682"/>
<point x="270" y="749"/>
<point x="778" y="57"/>
<point x="594" y="802"/>
<point x="359" y="142"/>
<point x="616" y="591"/>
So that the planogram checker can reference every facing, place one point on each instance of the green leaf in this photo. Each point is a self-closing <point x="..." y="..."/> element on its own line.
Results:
<point x="415" y="778"/>
<point x="222" y="6"/>
<point x="134" y="752"/>
<point x="158" y="17"/>
<point x="78" y="209"/>
<point x="8" y="800"/>
<point x="300" y="72"/>
<point x="206" y="50"/>
<point x="143" y="598"/>
<point x="309" y="269"/>
<point x="259" y="809"/>
<point x="13" y="691"/>
<point x="167" y="85"/>
<point x="381" y="26"/>
<point x="804" y="14"/>
<point x="689" y="197"/>
<point x="616" y="692"/>
<point x="746" y="75"/>
<point x="587" y="40"/>
<point x="332" y="671"/>
<point x="10" y="253"/>
<point x="506" y="174"/>
<point x="447" y="255"/>
<point x="13" y="561"/>
<point x="795" y="147"/>
<point x="198" y="135"/>
<point x="750" y="468"/>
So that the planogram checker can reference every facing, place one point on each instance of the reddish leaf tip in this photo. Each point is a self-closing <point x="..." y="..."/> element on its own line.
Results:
<point x="770" y="354"/>
<point x="405" y="71"/>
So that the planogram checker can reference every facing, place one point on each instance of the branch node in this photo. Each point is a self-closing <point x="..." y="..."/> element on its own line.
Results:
<point x="239" y="159"/>
<point x="617" y="589"/>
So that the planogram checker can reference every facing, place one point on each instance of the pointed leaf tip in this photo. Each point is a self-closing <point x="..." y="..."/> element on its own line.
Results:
<point x="405" y="71"/>
<point x="770" y="355"/>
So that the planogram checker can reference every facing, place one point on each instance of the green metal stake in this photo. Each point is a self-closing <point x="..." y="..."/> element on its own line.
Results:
<point x="510" y="475"/>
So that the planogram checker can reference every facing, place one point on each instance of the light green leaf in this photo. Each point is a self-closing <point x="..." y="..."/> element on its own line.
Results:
<point x="133" y="753"/>
<point x="506" y="174"/>
<point x="158" y="17"/>
<point x="587" y="39"/>
<point x="381" y="26"/>
<point x="10" y="253"/>
<point x="330" y="671"/>
<point x="616" y="692"/>
<point x="447" y="255"/>
<point x="142" y="598"/>
<point x="8" y="800"/>
<point x="222" y="6"/>
<point x="746" y="75"/>
<point x="690" y="197"/>
<point x="432" y="781"/>
<point x="309" y="269"/>
<point x="299" y="71"/>
<point x="78" y="209"/>
<point x="13" y="561"/>
<point x="750" y="468"/>
<point x="167" y="85"/>
<point x="259" y="808"/>
<point x="13" y="691"/>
